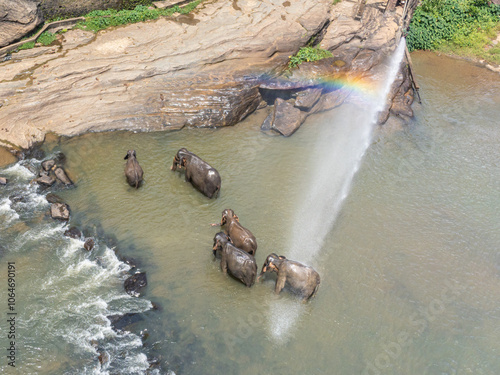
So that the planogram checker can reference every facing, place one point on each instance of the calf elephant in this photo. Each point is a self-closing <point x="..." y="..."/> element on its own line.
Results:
<point x="133" y="170"/>
<point x="201" y="175"/>
<point x="239" y="263"/>
<point x="302" y="279"/>
<point x="241" y="237"/>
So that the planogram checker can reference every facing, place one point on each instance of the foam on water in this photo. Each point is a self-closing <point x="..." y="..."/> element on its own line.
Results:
<point x="336" y="158"/>
<point x="75" y="292"/>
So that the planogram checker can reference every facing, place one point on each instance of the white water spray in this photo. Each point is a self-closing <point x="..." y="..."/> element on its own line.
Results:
<point x="336" y="157"/>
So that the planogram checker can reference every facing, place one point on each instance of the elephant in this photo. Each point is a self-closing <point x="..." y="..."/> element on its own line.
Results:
<point x="302" y="279"/>
<point x="239" y="263"/>
<point x="133" y="170"/>
<point x="241" y="237"/>
<point x="201" y="175"/>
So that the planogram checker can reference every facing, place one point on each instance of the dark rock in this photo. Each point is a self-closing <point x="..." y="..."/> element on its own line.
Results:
<point x="17" y="18"/>
<point x="156" y="306"/>
<point x="73" y="232"/>
<point x="59" y="211"/>
<point x="135" y="282"/>
<point x="89" y="244"/>
<point x="59" y="157"/>
<point x="287" y="118"/>
<point x="48" y="164"/>
<point x="34" y="152"/>
<point x="18" y="198"/>
<point x="306" y="99"/>
<point x="120" y="322"/>
<point x="46" y="180"/>
<point x="62" y="176"/>
<point x="3" y="181"/>
<point x="52" y="198"/>
<point x="268" y="122"/>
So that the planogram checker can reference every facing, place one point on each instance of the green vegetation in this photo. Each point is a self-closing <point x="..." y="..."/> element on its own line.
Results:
<point x="462" y="27"/>
<point x="46" y="38"/>
<point x="308" y="54"/>
<point x="102" y="19"/>
<point x="28" y="45"/>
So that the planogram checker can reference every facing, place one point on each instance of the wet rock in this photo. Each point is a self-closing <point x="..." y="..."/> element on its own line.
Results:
<point x="34" y="152"/>
<point x="18" y="198"/>
<point x="135" y="283"/>
<point x="121" y="322"/>
<point x="73" y="232"/>
<point x="48" y="164"/>
<point x="306" y="99"/>
<point x="103" y="356"/>
<point x="287" y="119"/>
<point x="46" y="180"/>
<point x="331" y="100"/>
<point x="62" y="176"/>
<point x="89" y="244"/>
<point x="59" y="211"/>
<point x="59" y="157"/>
<point x="268" y="122"/>
<point x="3" y="181"/>
<point x="42" y="172"/>
<point x="52" y="198"/>
<point x="17" y="18"/>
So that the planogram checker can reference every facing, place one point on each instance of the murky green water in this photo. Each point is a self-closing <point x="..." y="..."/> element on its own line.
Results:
<point x="410" y="271"/>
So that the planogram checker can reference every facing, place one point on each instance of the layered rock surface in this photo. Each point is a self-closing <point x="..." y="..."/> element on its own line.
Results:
<point x="17" y="18"/>
<point x="200" y="70"/>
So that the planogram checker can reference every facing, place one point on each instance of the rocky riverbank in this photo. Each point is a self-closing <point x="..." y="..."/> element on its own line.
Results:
<point x="205" y="69"/>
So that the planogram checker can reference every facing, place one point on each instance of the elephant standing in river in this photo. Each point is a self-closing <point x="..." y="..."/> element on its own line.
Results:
<point x="302" y="279"/>
<point x="241" y="237"/>
<point x="201" y="175"/>
<point x="239" y="263"/>
<point x="133" y="170"/>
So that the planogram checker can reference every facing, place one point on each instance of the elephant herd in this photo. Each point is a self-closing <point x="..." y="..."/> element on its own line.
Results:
<point x="236" y="246"/>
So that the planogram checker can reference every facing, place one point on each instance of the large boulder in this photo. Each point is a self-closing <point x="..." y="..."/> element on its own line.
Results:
<point x="287" y="119"/>
<point x="17" y="18"/>
<point x="59" y="211"/>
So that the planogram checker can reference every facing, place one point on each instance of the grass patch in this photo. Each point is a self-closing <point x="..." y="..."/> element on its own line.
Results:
<point x="308" y="54"/>
<point x="46" y="38"/>
<point x="102" y="19"/>
<point x="460" y="27"/>
<point x="28" y="45"/>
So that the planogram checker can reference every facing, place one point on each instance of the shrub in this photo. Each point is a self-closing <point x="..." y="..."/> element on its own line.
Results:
<point x="308" y="54"/>
<point x="464" y="23"/>
<point x="46" y="38"/>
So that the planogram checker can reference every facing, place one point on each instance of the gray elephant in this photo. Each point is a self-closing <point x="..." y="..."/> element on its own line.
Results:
<point x="201" y="175"/>
<point x="240" y="236"/>
<point x="239" y="263"/>
<point x="302" y="279"/>
<point x="133" y="170"/>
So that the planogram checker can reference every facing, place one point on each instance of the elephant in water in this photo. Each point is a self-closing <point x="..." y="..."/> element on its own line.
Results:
<point x="241" y="237"/>
<point x="302" y="279"/>
<point x="201" y="175"/>
<point x="239" y="263"/>
<point x="133" y="170"/>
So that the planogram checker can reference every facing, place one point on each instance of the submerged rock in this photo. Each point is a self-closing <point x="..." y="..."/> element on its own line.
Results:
<point x="135" y="283"/>
<point x="121" y="322"/>
<point x="59" y="211"/>
<point x="52" y="198"/>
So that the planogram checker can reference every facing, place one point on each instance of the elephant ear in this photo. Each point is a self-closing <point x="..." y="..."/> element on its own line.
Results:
<point x="126" y="157"/>
<point x="281" y="257"/>
<point x="135" y="155"/>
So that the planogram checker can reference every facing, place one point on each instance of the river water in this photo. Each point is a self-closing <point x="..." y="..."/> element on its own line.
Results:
<point x="410" y="268"/>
